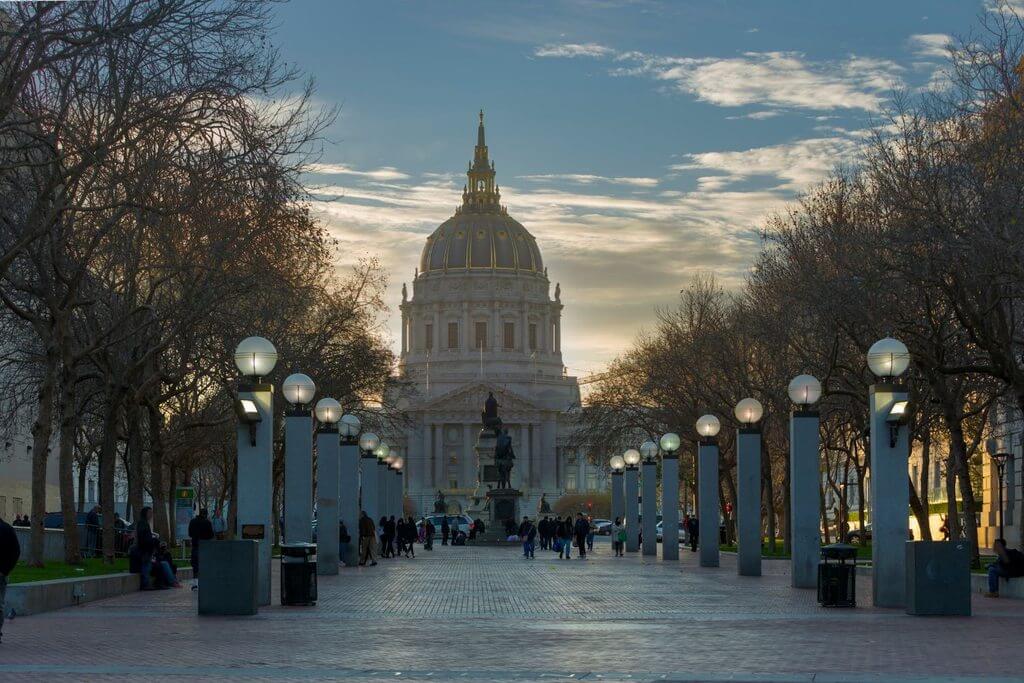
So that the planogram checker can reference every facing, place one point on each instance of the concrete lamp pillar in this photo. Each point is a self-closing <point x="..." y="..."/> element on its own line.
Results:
<point x="632" y="499"/>
<point x="649" y="504"/>
<point x="328" y="451"/>
<point x="383" y="488"/>
<point x="348" y="498"/>
<point x="298" y="476"/>
<point x="890" y="497"/>
<point x="748" y="501"/>
<point x="370" y="487"/>
<point x="618" y="506"/>
<point x="255" y="517"/>
<point x="399" y="492"/>
<point x="670" y="506"/>
<point x="708" y="511"/>
<point x="804" y="475"/>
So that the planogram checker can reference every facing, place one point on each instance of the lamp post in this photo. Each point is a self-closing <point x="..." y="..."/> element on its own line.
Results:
<point x="298" y="390"/>
<point x="617" y="464"/>
<point x="669" y="496"/>
<point x="890" y="452"/>
<point x="748" y="489"/>
<point x="630" y="486"/>
<point x="999" y="456"/>
<point x="392" y="484"/>
<point x="804" y="481"/>
<point x="707" y="488"/>
<point x="328" y="451"/>
<point x="368" y="480"/>
<point x="255" y="358"/>
<point x="399" y="465"/>
<point x="348" y="486"/>
<point x="383" y="479"/>
<point x="649" y="497"/>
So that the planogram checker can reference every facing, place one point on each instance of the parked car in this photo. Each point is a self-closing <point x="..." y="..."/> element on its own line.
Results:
<point x="859" y="536"/>
<point x="603" y="527"/>
<point x="461" y="521"/>
<point x="658" y="531"/>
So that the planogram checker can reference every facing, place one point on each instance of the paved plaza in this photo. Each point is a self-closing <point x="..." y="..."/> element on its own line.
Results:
<point x="486" y="614"/>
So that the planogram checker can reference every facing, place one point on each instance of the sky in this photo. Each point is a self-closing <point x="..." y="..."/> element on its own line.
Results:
<point x="641" y="142"/>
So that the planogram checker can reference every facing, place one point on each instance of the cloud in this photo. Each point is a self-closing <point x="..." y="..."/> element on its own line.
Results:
<point x="756" y="115"/>
<point x="587" y="179"/>
<point x="383" y="173"/>
<point x="930" y="44"/>
<point x="779" y="79"/>
<point x="570" y="50"/>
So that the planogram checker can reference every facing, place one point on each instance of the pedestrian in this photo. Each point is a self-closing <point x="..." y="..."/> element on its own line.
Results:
<point x="565" y="537"/>
<point x="343" y="540"/>
<point x="367" y="539"/>
<point x="1009" y="564"/>
<point x="199" y="529"/>
<point x="386" y="536"/>
<point x="542" y="530"/>
<point x="528" y="533"/>
<point x="10" y="551"/>
<point x="146" y="543"/>
<point x="400" y="537"/>
<point x="410" y="538"/>
<point x="445" y="529"/>
<point x="164" y="570"/>
<point x="480" y="528"/>
<point x="685" y="530"/>
<point x="580" y="530"/>
<point x="590" y="534"/>
<point x="618" y="537"/>
<point x="428" y="534"/>
<point x="220" y="527"/>
<point x="92" y="531"/>
<point x="694" y="533"/>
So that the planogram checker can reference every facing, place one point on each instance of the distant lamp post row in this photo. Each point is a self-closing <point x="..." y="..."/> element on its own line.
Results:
<point x="627" y="501"/>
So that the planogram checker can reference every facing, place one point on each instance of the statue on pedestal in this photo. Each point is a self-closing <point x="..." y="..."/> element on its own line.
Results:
<point x="543" y="507"/>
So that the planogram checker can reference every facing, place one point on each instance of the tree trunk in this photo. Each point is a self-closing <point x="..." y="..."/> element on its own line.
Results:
<point x="787" y="521"/>
<point x="769" y="501"/>
<point x="956" y="530"/>
<point x="958" y="452"/>
<point x="136" y="478"/>
<point x="823" y="513"/>
<point x="68" y="430"/>
<point x="108" y="465"/>
<point x="920" y="513"/>
<point x="156" y="469"/>
<point x="81" y="485"/>
<point x="42" y="429"/>
<point x="926" y="464"/>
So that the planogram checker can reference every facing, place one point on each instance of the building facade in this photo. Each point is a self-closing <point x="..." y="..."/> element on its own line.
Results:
<point x="481" y="318"/>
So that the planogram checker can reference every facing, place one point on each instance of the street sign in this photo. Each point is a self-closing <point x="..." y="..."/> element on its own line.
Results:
<point x="184" y="506"/>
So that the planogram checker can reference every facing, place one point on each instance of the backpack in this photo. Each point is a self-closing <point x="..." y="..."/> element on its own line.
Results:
<point x="622" y="536"/>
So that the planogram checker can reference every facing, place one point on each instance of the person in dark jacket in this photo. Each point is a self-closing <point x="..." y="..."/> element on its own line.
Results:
<point x="528" y="535"/>
<point x="146" y="542"/>
<point x="694" y="533"/>
<point x="199" y="529"/>
<point x="10" y="551"/>
<point x="444" y="530"/>
<point x="564" y="531"/>
<point x="367" y="536"/>
<point x="343" y="540"/>
<point x="410" y="537"/>
<point x="580" y="531"/>
<point x="428" y="534"/>
<point x="1009" y="564"/>
<point x="93" y="537"/>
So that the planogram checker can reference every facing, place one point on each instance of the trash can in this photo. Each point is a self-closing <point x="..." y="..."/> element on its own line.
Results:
<point x="298" y="574"/>
<point x="837" y="576"/>
<point x="938" y="578"/>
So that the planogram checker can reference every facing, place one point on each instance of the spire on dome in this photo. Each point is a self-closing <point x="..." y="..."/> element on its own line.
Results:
<point x="481" y="194"/>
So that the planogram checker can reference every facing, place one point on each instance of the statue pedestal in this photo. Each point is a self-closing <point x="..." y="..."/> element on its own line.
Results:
<point x="491" y="504"/>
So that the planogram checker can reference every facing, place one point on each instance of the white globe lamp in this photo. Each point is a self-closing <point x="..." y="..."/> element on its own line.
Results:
<point x="255" y="357"/>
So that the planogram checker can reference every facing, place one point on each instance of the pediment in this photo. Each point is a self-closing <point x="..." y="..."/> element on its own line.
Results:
<point x="472" y="396"/>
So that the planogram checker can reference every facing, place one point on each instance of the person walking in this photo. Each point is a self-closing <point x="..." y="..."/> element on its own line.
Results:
<point x="444" y="530"/>
<point x="400" y="537"/>
<point x="618" y="537"/>
<point x="590" y="534"/>
<point x="10" y="551"/>
<point x="528" y="532"/>
<point x="542" y="533"/>
<point x="694" y="533"/>
<point x="92" y="531"/>
<point x="367" y="540"/>
<point x="565" y="537"/>
<point x="580" y="530"/>
<point x="428" y="534"/>
<point x="199" y="529"/>
<point x="410" y="538"/>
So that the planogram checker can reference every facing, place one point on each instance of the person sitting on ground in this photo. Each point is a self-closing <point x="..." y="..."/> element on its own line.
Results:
<point x="1009" y="564"/>
<point x="10" y="551"/>
<point x="165" y="572"/>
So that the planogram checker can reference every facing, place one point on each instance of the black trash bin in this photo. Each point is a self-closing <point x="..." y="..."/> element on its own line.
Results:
<point x="837" y="576"/>
<point x="298" y="574"/>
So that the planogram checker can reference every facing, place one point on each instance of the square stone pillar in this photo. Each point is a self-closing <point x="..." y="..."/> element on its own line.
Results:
<point x="255" y="517"/>
<point x="618" y="500"/>
<point x="670" y="506"/>
<point x="298" y="477"/>
<point x="348" y="499"/>
<point x="708" y="513"/>
<point x="748" y="503"/>
<point x="327" y="481"/>
<point x="804" y="484"/>
<point x="649" y="503"/>
<point x="890" y="499"/>
<point x="631" y="485"/>
<point x="369" y="486"/>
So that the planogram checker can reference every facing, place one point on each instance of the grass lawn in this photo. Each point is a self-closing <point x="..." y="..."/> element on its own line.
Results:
<point x="59" y="570"/>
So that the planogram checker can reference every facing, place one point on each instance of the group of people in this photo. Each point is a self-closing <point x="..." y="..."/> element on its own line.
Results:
<point x="561" y="534"/>
<point x="21" y="521"/>
<point x="398" y="537"/>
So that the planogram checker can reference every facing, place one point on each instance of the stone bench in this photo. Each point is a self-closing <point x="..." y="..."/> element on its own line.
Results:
<point x="1008" y="588"/>
<point x="34" y="597"/>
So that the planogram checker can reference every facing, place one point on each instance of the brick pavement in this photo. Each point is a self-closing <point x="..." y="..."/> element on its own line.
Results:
<point x="480" y="614"/>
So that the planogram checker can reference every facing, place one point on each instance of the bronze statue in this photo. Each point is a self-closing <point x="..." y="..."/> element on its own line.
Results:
<point x="489" y="417"/>
<point x="504" y="455"/>
<point x="543" y="506"/>
<point x="439" y="504"/>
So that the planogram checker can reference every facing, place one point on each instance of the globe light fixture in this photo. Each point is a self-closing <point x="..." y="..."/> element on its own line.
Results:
<point x="632" y="457"/>
<point x="888" y="358"/>
<point x="382" y="451"/>
<point x="804" y="390"/>
<point x="748" y="411"/>
<point x="648" y="449"/>
<point x="617" y="463"/>
<point x="389" y="459"/>
<point x="670" y="442"/>
<point x="255" y="357"/>
<point x="328" y="411"/>
<point x="369" y="442"/>
<point x="298" y="389"/>
<point x="708" y="426"/>
<point x="349" y="425"/>
<point x="398" y="463"/>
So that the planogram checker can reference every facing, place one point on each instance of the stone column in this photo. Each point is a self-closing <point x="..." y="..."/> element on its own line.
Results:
<point x="327" y="481"/>
<point x="399" y="493"/>
<point x="748" y="503"/>
<point x="632" y="494"/>
<point x="670" y="506"/>
<point x="546" y="435"/>
<point x="468" y="455"/>
<point x="440" y="466"/>
<point x="649" y="505"/>
<point x="348" y="499"/>
<point x="298" y="477"/>
<point x="255" y="517"/>
<point x="708" y="513"/>
<point x="384" y="488"/>
<point x="804" y="483"/>
<point x="369" y="486"/>
<point x="890" y="499"/>
<point x="618" y="502"/>
<point x="427" y="469"/>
